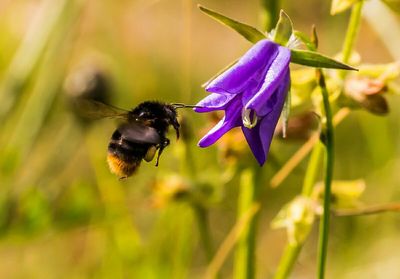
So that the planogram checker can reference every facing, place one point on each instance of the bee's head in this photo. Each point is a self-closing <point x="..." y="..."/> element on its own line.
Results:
<point x="172" y="117"/>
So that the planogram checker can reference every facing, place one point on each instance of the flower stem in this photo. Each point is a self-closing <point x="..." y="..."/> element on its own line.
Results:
<point x="245" y="260"/>
<point x="288" y="260"/>
<point x="352" y="30"/>
<point x="292" y="251"/>
<point x="329" y="145"/>
<point x="368" y="210"/>
<point x="311" y="175"/>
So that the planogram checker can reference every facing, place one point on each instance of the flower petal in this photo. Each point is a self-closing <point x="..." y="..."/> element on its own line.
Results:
<point x="254" y="141"/>
<point x="235" y="79"/>
<point x="273" y="79"/>
<point x="231" y="120"/>
<point x="214" y="102"/>
<point x="268" y="123"/>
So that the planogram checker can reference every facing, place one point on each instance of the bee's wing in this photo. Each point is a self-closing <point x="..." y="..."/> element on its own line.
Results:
<point x="139" y="133"/>
<point x="95" y="110"/>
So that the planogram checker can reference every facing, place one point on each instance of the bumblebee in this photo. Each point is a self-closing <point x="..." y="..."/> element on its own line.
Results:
<point x="141" y="135"/>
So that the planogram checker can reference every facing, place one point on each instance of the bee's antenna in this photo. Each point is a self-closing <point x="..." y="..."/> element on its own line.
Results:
<point x="181" y="105"/>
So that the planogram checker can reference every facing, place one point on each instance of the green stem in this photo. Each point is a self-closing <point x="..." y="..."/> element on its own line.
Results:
<point x="329" y="145"/>
<point x="270" y="13"/>
<point x="29" y="53"/>
<point x="352" y="30"/>
<point x="204" y="230"/>
<point x="292" y="251"/>
<point x="201" y="212"/>
<point x="311" y="175"/>
<point x="245" y="259"/>
<point x="288" y="260"/>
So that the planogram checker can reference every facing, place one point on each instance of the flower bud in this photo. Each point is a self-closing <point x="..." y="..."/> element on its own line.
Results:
<point x="345" y="193"/>
<point x="367" y="93"/>
<point x="297" y="217"/>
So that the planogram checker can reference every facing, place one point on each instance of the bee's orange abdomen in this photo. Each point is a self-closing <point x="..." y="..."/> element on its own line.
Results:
<point x="120" y="167"/>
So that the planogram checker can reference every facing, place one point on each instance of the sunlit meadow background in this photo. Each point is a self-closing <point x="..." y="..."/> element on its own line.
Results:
<point x="64" y="215"/>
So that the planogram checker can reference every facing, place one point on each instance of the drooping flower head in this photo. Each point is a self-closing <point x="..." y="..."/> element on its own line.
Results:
<point x="252" y="94"/>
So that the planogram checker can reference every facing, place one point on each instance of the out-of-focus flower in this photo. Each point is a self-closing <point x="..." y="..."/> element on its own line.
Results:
<point x="345" y="193"/>
<point x="367" y="93"/>
<point x="297" y="217"/>
<point x="252" y="94"/>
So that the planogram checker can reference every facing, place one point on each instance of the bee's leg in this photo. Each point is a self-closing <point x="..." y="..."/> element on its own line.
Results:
<point x="176" y="126"/>
<point x="162" y="146"/>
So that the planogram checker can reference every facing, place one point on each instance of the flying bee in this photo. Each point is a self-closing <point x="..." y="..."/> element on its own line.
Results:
<point x="141" y="135"/>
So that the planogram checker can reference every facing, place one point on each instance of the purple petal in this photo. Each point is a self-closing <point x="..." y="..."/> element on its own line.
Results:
<point x="268" y="123"/>
<point x="231" y="120"/>
<point x="254" y="141"/>
<point x="273" y="79"/>
<point x="214" y="102"/>
<point x="236" y="79"/>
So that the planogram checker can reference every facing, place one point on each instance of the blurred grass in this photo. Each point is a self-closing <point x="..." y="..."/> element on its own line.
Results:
<point x="63" y="215"/>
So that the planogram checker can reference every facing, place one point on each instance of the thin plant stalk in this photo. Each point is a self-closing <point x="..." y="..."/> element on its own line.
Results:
<point x="303" y="151"/>
<point x="368" y="210"/>
<point x="329" y="161"/>
<point x="292" y="251"/>
<point x="29" y="53"/>
<point x="352" y="31"/>
<point x="288" y="260"/>
<point x="312" y="172"/>
<point x="230" y="241"/>
<point x="204" y="231"/>
<point x="348" y="45"/>
<point x="200" y="211"/>
<point x="270" y="13"/>
<point x="245" y="259"/>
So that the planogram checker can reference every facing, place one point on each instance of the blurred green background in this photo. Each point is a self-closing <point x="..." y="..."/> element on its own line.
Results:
<point x="64" y="215"/>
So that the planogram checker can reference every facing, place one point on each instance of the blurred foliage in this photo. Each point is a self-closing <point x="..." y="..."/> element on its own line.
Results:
<point x="64" y="215"/>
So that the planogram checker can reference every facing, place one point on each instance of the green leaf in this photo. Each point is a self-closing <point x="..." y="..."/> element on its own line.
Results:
<point x="283" y="29"/>
<point x="314" y="59"/>
<point x="314" y="37"/>
<point x="339" y="6"/>
<point x="249" y="32"/>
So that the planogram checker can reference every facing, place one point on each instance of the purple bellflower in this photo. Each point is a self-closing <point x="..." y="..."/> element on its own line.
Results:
<point x="252" y="93"/>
